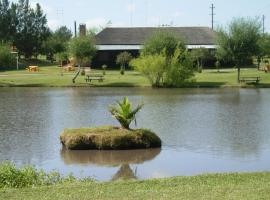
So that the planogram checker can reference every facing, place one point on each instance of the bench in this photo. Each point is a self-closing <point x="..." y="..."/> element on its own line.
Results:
<point x="94" y="77"/>
<point x="250" y="79"/>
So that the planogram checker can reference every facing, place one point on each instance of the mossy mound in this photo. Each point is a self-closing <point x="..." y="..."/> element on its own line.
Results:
<point x="109" y="138"/>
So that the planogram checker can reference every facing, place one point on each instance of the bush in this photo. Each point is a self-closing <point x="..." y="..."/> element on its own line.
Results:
<point x="104" y="67"/>
<point x="162" y="71"/>
<point x="123" y="59"/>
<point x="180" y="69"/>
<point x="10" y="176"/>
<point x="151" y="66"/>
<point x="6" y="58"/>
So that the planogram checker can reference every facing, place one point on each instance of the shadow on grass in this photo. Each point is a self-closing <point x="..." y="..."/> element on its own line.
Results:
<point x="206" y="84"/>
<point x="221" y="72"/>
<point x="120" y="84"/>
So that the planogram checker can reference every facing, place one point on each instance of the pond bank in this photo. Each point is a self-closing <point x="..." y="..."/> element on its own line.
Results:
<point x="215" y="186"/>
<point x="53" y="77"/>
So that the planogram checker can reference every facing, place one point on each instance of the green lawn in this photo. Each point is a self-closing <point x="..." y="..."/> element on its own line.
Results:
<point x="51" y="76"/>
<point x="217" y="186"/>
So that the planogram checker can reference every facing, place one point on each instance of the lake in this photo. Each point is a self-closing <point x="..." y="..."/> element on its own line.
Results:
<point x="203" y="130"/>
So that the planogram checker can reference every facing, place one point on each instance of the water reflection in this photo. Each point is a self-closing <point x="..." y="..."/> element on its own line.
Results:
<point x="108" y="158"/>
<point x="112" y="159"/>
<point x="125" y="172"/>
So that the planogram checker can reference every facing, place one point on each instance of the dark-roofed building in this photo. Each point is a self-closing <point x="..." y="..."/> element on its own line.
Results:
<point x="112" y="41"/>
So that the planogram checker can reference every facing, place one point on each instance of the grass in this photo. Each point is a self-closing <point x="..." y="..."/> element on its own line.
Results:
<point x="50" y="76"/>
<point x="216" y="186"/>
<point x="109" y="138"/>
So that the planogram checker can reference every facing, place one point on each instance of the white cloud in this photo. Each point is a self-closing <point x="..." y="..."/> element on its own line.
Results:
<point x="54" y="24"/>
<point x="131" y="7"/>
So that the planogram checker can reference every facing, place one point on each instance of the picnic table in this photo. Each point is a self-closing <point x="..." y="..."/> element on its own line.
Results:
<point x="267" y="69"/>
<point x="256" y="79"/>
<point x="32" y="68"/>
<point x="94" y="77"/>
<point x="69" y="68"/>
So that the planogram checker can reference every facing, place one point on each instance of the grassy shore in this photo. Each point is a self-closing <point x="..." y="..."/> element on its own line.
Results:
<point x="53" y="77"/>
<point x="217" y="186"/>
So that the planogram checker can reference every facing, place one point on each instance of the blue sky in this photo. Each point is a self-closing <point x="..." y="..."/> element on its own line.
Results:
<point x="150" y="12"/>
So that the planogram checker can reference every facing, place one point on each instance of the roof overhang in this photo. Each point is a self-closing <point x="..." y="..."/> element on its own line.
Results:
<point x="138" y="47"/>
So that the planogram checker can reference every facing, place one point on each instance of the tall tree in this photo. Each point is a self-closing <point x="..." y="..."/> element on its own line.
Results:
<point x="239" y="41"/>
<point x="5" y="21"/>
<point x="83" y="49"/>
<point x="41" y="30"/>
<point x="31" y="30"/>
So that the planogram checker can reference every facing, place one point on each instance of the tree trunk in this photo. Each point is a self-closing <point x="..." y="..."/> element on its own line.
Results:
<point x="238" y="73"/>
<point x="77" y="74"/>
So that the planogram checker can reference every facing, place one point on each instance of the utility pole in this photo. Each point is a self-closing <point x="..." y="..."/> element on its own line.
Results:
<point x="263" y="23"/>
<point x="212" y="15"/>
<point x="75" y="29"/>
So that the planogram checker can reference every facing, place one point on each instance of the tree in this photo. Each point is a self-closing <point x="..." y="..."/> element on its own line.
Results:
<point x="124" y="113"/>
<point x="264" y="48"/>
<point x="162" y="41"/>
<point x="5" y="21"/>
<point x="200" y="55"/>
<point x="57" y="42"/>
<point x="83" y="49"/>
<point x="31" y="29"/>
<point x="239" y="41"/>
<point x="6" y="58"/>
<point x="164" y="61"/>
<point x="123" y="59"/>
<point x="161" y="71"/>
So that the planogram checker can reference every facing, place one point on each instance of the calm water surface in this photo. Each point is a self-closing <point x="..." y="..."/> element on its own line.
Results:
<point x="203" y="130"/>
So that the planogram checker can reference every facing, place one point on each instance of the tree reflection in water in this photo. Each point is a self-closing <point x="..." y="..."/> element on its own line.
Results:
<point x="122" y="158"/>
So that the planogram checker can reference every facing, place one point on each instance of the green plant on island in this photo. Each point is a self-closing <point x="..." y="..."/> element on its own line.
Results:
<point x="124" y="113"/>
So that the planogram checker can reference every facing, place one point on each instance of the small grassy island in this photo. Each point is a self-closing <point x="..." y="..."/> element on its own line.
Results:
<point x="109" y="138"/>
<point x="112" y="138"/>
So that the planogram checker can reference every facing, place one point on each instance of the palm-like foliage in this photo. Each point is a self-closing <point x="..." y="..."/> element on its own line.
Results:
<point x="123" y="112"/>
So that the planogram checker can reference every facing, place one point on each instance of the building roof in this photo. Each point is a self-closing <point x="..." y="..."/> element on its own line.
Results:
<point x="137" y="36"/>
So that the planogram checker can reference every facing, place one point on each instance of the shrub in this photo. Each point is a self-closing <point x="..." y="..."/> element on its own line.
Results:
<point x="180" y="69"/>
<point x="10" y="176"/>
<point x="6" y="58"/>
<point x="123" y="59"/>
<point x="162" y="71"/>
<point x="104" y="67"/>
<point x="152" y="67"/>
